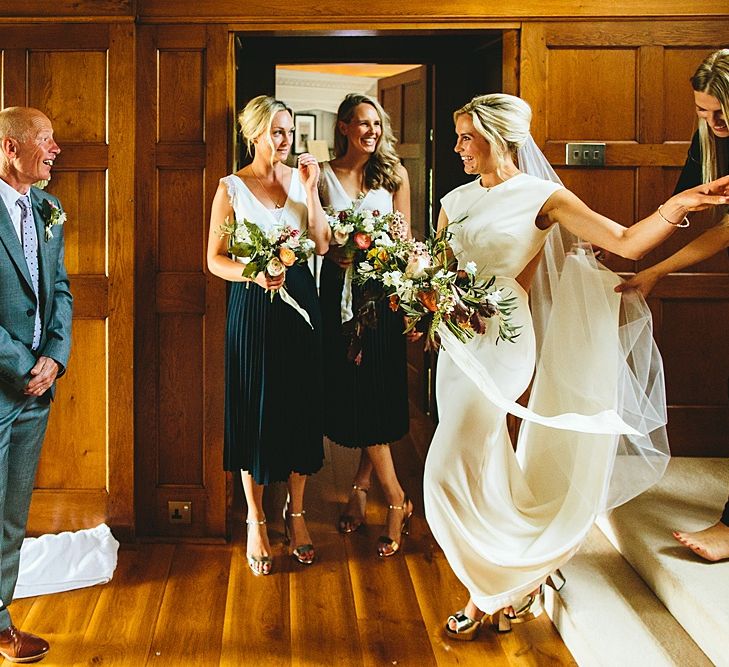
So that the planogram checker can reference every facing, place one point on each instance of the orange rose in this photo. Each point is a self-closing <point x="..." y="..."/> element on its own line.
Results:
<point x="286" y="255"/>
<point x="394" y="302"/>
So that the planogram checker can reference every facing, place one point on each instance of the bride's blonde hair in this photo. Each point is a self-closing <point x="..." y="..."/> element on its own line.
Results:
<point x="503" y="120"/>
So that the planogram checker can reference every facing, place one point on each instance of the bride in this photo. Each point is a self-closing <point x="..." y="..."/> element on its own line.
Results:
<point x="593" y="434"/>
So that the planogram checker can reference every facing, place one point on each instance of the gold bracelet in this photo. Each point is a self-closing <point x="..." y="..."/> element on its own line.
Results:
<point x="681" y="223"/>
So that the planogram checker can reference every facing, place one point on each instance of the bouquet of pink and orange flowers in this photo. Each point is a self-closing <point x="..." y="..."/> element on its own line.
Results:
<point x="272" y="251"/>
<point x="354" y="230"/>
<point x="420" y="278"/>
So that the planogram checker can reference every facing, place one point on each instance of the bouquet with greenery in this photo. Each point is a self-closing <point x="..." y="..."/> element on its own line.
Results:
<point x="421" y="279"/>
<point x="355" y="230"/>
<point x="272" y="251"/>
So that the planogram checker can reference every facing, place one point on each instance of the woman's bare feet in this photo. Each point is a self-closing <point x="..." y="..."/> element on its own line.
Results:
<point x="711" y="543"/>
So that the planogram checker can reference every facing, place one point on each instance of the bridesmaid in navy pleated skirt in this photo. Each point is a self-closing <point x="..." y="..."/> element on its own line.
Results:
<point x="273" y="378"/>
<point x="367" y="402"/>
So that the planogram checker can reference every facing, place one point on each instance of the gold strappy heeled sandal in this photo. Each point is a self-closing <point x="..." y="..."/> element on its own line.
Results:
<point x="304" y="553"/>
<point x="387" y="546"/>
<point x="348" y="523"/>
<point x="466" y="629"/>
<point x="260" y="565"/>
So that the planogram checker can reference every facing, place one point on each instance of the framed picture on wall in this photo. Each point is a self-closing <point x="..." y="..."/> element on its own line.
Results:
<point x="304" y="130"/>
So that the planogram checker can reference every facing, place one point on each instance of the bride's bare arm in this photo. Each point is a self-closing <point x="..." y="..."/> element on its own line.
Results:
<point x="566" y="209"/>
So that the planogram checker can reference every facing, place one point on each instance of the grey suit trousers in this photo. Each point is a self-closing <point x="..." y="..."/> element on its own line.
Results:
<point x="22" y="430"/>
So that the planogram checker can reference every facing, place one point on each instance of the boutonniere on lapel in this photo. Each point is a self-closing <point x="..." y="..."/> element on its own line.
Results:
<point x="52" y="215"/>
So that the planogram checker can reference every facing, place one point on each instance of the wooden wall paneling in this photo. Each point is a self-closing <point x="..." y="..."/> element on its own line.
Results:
<point x="146" y="352"/>
<point x="646" y="117"/>
<point x="14" y="67"/>
<point x="75" y="10"/>
<point x="184" y="101"/>
<point x="120" y="204"/>
<point x="313" y="12"/>
<point x="510" y="61"/>
<point x="73" y="73"/>
<point x="220" y="120"/>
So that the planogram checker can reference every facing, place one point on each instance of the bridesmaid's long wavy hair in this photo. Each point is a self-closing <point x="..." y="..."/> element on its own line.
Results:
<point x="503" y="120"/>
<point x="381" y="169"/>
<point x="712" y="78"/>
<point x="257" y="117"/>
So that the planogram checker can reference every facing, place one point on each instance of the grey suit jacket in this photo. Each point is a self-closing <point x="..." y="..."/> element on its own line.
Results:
<point x="18" y="303"/>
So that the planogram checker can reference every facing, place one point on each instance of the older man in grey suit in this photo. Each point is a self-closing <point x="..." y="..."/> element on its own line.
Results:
<point x="35" y="338"/>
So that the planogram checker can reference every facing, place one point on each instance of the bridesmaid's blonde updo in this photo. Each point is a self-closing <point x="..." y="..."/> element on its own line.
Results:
<point x="503" y="120"/>
<point x="256" y="118"/>
<point x="381" y="169"/>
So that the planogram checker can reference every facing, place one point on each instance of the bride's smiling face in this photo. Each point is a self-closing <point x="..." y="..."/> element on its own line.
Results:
<point x="473" y="148"/>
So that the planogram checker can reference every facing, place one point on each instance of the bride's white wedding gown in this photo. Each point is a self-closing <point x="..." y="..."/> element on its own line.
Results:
<point x="507" y="519"/>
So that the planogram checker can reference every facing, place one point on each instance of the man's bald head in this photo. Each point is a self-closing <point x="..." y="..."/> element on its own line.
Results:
<point x="20" y="123"/>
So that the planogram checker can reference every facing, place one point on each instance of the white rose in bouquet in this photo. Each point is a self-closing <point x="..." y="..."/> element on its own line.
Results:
<point x="275" y="267"/>
<point x="340" y="236"/>
<point x="416" y="266"/>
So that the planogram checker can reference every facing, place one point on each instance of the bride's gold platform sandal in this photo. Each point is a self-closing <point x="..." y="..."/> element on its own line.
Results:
<point x="260" y="565"/>
<point x="386" y="546"/>
<point x="467" y="628"/>
<point x="501" y="621"/>
<point x="348" y="523"/>
<point x="533" y="606"/>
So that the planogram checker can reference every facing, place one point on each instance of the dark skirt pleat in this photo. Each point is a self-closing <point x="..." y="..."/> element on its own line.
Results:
<point x="366" y="404"/>
<point x="273" y="400"/>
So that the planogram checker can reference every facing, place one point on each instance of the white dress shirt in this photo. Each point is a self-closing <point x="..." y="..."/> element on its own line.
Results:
<point x="10" y="196"/>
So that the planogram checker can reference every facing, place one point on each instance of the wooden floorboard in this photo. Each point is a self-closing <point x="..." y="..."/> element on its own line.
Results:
<point x="189" y="605"/>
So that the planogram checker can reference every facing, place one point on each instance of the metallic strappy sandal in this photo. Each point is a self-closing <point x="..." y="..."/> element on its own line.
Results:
<point x="300" y="551"/>
<point x="467" y="628"/>
<point x="260" y="565"/>
<point x="387" y="546"/>
<point x="533" y="606"/>
<point x="348" y="523"/>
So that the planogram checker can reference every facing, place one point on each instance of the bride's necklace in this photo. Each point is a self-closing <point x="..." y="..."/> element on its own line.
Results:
<point x="275" y="203"/>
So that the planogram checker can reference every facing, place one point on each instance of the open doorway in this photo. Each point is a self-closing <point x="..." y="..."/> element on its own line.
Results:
<point x="420" y="78"/>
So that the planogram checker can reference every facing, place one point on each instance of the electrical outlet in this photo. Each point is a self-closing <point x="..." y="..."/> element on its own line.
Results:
<point x="586" y="155"/>
<point x="179" y="511"/>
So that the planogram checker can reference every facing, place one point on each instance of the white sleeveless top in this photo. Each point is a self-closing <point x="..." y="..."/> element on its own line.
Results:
<point x="245" y="204"/>
<point x="333" y="194"/>
<point x="294" y="213"/>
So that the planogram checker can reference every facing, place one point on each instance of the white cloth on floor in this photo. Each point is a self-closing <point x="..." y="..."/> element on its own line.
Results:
<point x="63" y="562"/>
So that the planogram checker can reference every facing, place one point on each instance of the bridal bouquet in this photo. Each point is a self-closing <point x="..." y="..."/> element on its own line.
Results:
<point x="419" y="278"/>
<point x="355" y="230"/>
<point x="272" y="251"/>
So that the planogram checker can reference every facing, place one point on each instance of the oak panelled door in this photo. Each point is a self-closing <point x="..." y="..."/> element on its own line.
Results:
<point x="78" y="75"/>
<point x="627" y="84"/>
<point x="184" y="135"/>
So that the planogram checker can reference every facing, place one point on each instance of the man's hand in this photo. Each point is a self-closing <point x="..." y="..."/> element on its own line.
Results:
<point x="43" y="374"/>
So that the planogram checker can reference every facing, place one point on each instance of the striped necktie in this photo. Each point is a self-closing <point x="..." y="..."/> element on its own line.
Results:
<point x="30" y="250"/>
